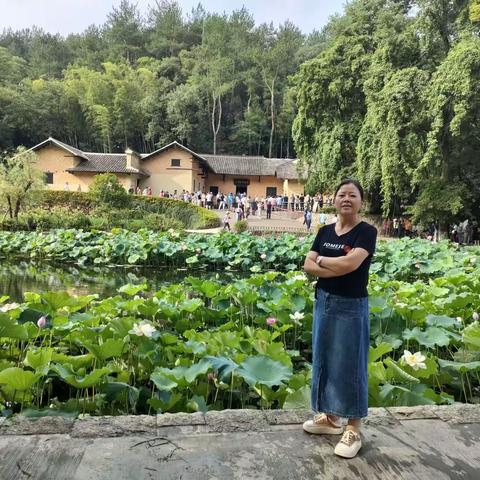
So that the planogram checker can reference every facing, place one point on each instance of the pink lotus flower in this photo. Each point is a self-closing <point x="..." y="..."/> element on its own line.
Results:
<point x="41" y="322"/>
<point x="271" y="321"/>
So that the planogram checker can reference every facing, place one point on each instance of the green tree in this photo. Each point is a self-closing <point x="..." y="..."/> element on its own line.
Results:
<point x="20" y="180"/>
<point x="124" y="32"/>
<point x="453" y="104"/>
<point x="106" y="190"/>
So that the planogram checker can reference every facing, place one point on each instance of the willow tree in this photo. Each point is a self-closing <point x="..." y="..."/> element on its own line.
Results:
<point x="453" y="143"/>
<point x="392" y="137"/>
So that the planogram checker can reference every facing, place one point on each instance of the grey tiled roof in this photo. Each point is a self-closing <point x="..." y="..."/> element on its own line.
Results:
<point x="69" y="148"/>
<point x="76" y="151"/>
<point x="288" y="170"/>
<point x="106" y="162"/>
<point x="243" y="165"/>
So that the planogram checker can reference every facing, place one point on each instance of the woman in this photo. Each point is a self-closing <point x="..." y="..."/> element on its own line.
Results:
<point x="340" y="257"/>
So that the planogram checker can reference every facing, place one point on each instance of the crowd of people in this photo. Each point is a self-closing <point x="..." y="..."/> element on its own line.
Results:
<point x="464" y="233"/>
<point x="221" y="201"/>
<point x="242" y="206"/>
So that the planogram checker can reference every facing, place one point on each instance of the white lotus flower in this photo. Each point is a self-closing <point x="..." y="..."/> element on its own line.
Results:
<point x="459" y="319"/>
<point x="300" y="277"/>
<point x="143" y="329"/>
<point x="9" y="306"/>
<point x="296" y="317"/>
<point x="263" y="256"/>
<point x="414" y="360"/>
<point x="473" y="259"/>
<point x="173" y="233"/>
<point x="475" y="316"/>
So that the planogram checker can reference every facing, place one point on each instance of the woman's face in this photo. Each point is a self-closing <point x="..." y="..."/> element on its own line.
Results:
<point x="348" y="200"/>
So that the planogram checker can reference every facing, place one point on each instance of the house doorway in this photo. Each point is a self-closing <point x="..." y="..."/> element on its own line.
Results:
<point x="241" y="185"/>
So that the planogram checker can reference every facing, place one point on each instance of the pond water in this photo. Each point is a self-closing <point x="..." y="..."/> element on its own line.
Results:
<point x="17" y="277"/>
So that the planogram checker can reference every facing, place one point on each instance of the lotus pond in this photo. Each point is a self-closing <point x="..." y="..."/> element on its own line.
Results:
<point x="214" y="343"/>
<point x="18" y="277"/>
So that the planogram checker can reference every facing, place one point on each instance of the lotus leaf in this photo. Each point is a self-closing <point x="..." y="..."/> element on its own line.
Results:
<point x="300" y="399"/>
<point x="263" y="370"/>
<point x="18" y="379"/>
<point x="79" y="379"/>
<point x="462" y="367"/>
<point x="430" y="337"/>
<point x="471" y="335"/>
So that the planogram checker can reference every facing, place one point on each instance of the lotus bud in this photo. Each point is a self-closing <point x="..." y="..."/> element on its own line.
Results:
<point x="41" y="322"/>
<point x="271" y="321"/>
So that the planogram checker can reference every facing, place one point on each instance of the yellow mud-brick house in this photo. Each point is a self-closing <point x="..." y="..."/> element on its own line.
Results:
<point x="172" y="168"/>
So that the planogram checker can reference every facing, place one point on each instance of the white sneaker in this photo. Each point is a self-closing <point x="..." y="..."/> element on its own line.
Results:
<point x="321" y="424"/>
<point x="349" y="445"/>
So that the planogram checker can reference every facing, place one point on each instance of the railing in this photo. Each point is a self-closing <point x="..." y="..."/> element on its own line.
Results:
<point x="278" y="228"/>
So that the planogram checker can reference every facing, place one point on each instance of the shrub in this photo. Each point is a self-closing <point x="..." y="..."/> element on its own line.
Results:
<point x="59" y="198"/>
<point x="190" y="215"/>
<point x="106" y="190"/>
<point x="59" y="217"/>
<point x="241" y="226"/>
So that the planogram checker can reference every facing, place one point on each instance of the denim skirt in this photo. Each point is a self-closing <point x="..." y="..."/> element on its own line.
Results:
<point x="340" y="341"/>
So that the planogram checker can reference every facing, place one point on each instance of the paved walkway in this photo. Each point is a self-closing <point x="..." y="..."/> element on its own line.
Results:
<point x="440" y="443"/>
<point x="280" y="221"/>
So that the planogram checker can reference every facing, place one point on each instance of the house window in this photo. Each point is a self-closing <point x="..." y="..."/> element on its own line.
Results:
<point x="49" y="178"/>
<point x="214" y="190"/>
<point x="175" y="162"/>
<point x="271" y="191"/>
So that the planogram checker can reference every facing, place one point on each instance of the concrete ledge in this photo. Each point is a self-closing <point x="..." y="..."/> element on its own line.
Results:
<point x="413" y="413"/>
<point x="125" y="425"/>
<point x="180" y="419"/>
<point x="236" y="421"/>
<point x="19" y="425"/>
<point x="221" y="421"/>
<point x="287" y="417"/>
<point x="458" y="413"/>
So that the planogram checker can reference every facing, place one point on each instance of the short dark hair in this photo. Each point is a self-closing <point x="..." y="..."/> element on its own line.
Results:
<point x="347" y="181"/>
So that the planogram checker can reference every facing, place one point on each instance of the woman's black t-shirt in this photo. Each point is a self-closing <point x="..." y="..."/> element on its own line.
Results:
<point x="329" y="244"/>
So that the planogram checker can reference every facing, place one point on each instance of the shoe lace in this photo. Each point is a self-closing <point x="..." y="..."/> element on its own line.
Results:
<point x="323" y="419"/>
<point x="349" y="437"/>
<point x="319" y="418"/>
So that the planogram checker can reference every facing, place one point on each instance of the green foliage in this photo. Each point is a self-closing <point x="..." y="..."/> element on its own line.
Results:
<point x="136" y="81"/>
<point x="439" y="199"/>
<point x="208" y="346"/>
<point x="106" y="190"/>
<point x="20" y="181"/>
<point x="60" y="209"/>
<point x="241" y="226"/>
<point x="391" y="99"/>
<point x="190" y="215"/>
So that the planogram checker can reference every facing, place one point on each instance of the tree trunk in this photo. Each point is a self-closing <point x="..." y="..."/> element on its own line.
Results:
<point x="213" y="125"/>
<point x="216" y="127"/>
<point x="272" y="116"/>
<point x="10" y="209"/>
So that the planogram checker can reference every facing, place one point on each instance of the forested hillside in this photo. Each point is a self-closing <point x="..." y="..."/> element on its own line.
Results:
<point x="217" y="83"/>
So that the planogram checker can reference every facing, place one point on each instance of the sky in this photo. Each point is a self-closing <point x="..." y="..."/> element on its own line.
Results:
<point x="74" y="16"/>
